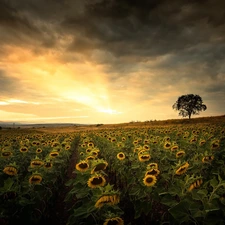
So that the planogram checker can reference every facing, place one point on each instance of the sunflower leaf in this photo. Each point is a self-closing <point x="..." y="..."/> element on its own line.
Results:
<point x="180" y="211"/>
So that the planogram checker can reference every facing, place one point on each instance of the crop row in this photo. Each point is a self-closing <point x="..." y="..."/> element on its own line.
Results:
<point x="163" y="175"/>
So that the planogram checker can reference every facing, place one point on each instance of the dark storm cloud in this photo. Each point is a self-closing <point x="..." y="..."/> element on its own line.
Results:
<point x="149" y="28"/>
<point x="133" y="32"/>
<point x="129" y="31"/>
<point x="20" y="27"/>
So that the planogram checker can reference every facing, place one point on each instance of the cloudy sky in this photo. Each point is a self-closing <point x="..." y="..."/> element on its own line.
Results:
<point x="109" y="61"/>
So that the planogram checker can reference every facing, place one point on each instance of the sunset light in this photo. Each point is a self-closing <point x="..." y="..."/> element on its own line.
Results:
<point x="88" y="65"/>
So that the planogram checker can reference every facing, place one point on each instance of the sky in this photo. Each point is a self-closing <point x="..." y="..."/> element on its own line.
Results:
<point x="109" y="61"/>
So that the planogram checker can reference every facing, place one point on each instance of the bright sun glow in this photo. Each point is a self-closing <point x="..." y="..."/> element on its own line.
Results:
<point x="109" y="111"/>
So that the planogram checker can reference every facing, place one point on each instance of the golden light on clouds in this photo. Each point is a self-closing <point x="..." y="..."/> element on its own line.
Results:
<point x="82" y="64"/>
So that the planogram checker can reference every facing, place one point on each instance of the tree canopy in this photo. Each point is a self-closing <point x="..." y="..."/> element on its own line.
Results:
<point x="189" y="104"/>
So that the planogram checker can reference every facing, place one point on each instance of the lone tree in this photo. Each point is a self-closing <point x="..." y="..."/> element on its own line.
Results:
<point x="189" y="104"/>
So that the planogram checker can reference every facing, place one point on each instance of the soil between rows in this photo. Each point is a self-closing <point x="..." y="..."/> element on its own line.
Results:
<point x="59" y="214"/>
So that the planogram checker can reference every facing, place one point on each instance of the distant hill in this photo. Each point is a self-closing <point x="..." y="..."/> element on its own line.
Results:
<point x="208" y="120"/>
<point x="22" y="125"/>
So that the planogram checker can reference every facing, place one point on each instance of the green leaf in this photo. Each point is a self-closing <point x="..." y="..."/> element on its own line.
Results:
<point x="134" y="191"/>
<point x="180" y="211"/>
<point x="146" y="206"/>
<point x="138" y="209"/>
<point x="81" y="212"/>
<point x="213" y="182"/>
<point x="212" y="206"/>
<point x="168" y="200"/>
<point x="203" y="193"/>
<point x="219" y="178"/>
<point x="8" y="184"/>
<point x="82" y="194"/>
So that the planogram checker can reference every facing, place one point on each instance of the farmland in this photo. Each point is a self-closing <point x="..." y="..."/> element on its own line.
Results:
<point x="153" y="172"/>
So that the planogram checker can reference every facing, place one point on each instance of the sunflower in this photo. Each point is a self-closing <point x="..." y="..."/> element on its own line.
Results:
<point x="166" y="138"/>
<point x="152" y="166"/>
<point x="207" y="159"/>
<point x="215" y="144"/>
<point x="10" y="170"/>
<point x="114" y="221"/>
<point x="193" y="140"/>
<point x="121" y="156"/>
<point x="90" y="157"/>
<point x="35" y="178"/>
<point x="144" y="157"/>
<point x="82" y="166"/>
<point x="137" y="149"/>
<point x="195" y="184"/>
<point x="67" y="147"/>
<point x="88" y="150"/>
<point x="112" y="199"/>
<point x="6" y="154"/>
<point x="99" y="165"/>
<point x="135" y="142"/>
<point x="96" y="181"/>
<point x="154" y="172"/>
<point x="94" y="153"/>
<point x="180" y="154"/>
<point x="38" y="150"/>
<point x="149" y="180"/>
<point x="146" y="147"/>
<point x="142" y="152"/>
<point x="182" y="169"/>
<point x="48" y="165"/>
<point x="81" y="153"/>
<point x="167" y="145"/>
<point x="54" y="154"/>
<point x="202" y="142"/>
<point x="36" y="163"/>
<point x="113" y="140"/>
<point x="55" y="144"/>
<point x="23" y="149"/>
<point x="63" y="144"/>
<point x="90" y="144"/>
<point x="175" y="147"/>
<point x="120" y="144"/>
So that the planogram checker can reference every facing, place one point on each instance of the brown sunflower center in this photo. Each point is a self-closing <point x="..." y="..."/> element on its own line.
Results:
<point x="6" y="153"/>
<point x="100" y="166"/>
<point x="36" y="163"/>
<point x="35" y="178"/>
<point x="152" y="172"/>
<point x="149" y="180"/>
<point x="112" y="222"/>
<point x="215" y="145"/>
<point x="97" y="180"/>
<point x="83" y="165"/>
<point x="48" y="164"/>
<point x="180" y="153"/>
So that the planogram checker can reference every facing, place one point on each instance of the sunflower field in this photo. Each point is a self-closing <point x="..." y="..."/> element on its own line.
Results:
<point x="123" y="176"/>
<point x="32" y="168"/>
<point x="155" y="175"/>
